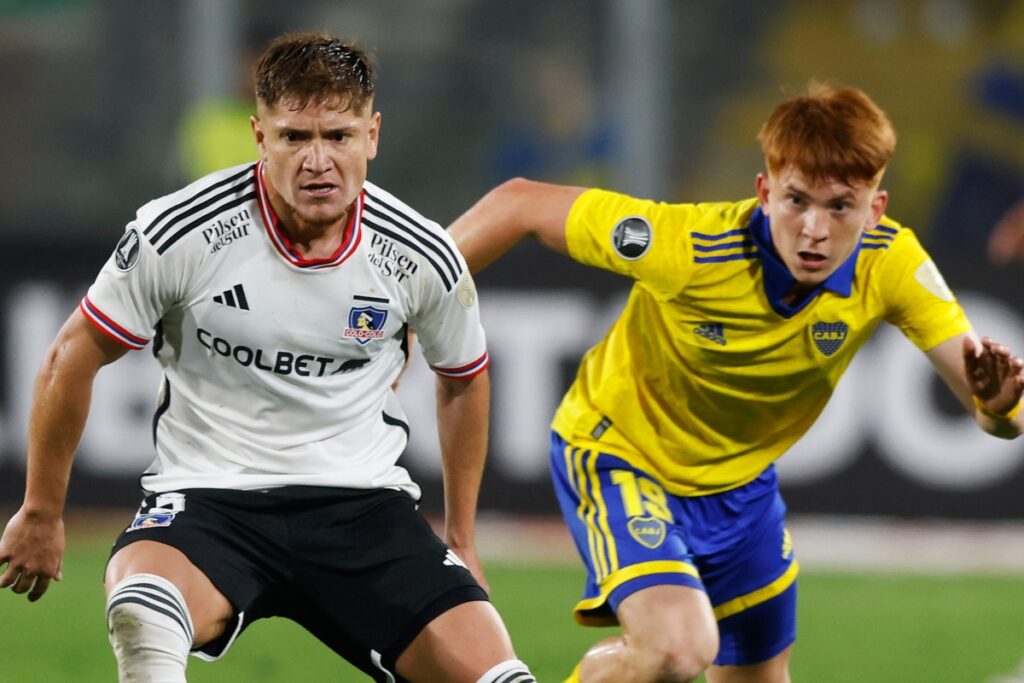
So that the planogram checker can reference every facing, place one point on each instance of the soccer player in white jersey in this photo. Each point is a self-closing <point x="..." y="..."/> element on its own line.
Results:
<point x="277" y="297"/>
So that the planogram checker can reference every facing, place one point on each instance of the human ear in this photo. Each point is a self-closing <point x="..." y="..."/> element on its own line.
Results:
<point x="257" y="132"/>
<point x="762" y="186"/>
<point x="373" y="135"/>
<point x="878" y="205"/>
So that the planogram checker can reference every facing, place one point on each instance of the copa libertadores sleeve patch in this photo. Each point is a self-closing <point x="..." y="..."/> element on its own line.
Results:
<point x="126" y="253"/>
<point x="632" y="237"/>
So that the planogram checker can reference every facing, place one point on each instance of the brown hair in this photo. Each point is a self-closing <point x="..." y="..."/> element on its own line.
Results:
<point x="831" y="132"/>
<point x="300" y="69"/>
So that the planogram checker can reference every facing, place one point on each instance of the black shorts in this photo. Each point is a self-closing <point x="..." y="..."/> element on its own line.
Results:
<point x="360" y="569"/>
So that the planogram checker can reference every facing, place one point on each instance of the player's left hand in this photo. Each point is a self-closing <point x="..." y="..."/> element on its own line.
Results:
<point x="994" y="375"/>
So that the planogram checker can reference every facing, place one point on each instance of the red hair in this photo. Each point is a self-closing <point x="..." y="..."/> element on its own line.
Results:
<point x="831" y="132"/>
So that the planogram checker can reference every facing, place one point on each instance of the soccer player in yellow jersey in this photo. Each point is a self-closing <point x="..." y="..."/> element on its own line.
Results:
<point x="741" y="320"/>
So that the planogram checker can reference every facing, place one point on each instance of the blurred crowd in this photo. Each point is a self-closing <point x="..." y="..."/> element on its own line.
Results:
<point x="102" y="99"/>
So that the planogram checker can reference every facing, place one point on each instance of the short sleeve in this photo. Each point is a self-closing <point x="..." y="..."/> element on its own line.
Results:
<point x="447" y="324"/>
<point x="639" y="238"/>
<point x="918" y="301"/>
<point x="132" y="291"/>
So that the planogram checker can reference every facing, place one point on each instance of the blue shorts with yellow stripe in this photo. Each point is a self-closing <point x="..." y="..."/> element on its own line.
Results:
<point x="632" y="534"/>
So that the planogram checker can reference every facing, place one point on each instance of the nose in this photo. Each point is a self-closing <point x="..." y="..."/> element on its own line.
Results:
<point x="816" y="225"/>
<point x="317" y="160"/>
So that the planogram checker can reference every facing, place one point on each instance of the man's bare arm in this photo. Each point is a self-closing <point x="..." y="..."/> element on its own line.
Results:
<point x="515" y="209"/>
<point x="32" y="545"/>
<point x="462" y="422"/>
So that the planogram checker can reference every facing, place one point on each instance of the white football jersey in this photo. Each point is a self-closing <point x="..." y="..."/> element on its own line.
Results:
<point x="278" y="369"/>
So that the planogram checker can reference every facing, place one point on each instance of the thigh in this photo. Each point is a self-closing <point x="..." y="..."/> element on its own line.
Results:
<point x="370" y="575"/>
<point x="218" y="544"/>
<point x="746" y="559"/>
<point x="209" y="611"/>
<point x="458" y="646"/>
<point x="669" y="619"/>
<point x="625" y="527"/>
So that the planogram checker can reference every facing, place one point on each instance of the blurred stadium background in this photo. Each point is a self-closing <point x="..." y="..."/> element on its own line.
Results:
<point x="894" y="495"/>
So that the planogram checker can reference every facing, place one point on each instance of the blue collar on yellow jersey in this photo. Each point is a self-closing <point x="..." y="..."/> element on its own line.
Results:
<point x="777" y="278"/>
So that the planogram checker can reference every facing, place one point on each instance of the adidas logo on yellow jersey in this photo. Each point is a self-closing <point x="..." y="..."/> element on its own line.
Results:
<point x="713" y="331"/>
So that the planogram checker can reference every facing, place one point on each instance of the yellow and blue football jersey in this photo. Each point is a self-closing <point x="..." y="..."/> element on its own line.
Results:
<point x="707" y="376"/>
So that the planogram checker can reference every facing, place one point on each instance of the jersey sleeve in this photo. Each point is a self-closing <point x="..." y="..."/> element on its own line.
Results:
<point x="447" y="324"/>
<point x="919" y="302"/>
<point x="639" y="238"/>
<point x="132" y="291"/>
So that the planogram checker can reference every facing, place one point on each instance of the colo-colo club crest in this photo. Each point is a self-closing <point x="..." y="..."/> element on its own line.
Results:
<point x="828" y="337"/>
<point x="366" y="323"/>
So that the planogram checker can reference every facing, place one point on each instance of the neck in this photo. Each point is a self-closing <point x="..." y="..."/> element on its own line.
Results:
<point x="796" y="294"/>
<point x="311" y="239"/>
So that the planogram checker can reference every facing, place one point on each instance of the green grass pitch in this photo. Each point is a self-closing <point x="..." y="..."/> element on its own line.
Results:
<point x="874" y="628"/>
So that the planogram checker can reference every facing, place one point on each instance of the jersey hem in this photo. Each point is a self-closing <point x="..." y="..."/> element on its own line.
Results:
<point x="468" y="371"/>
<point x="641" y="463"/>
<point x="755" y="598"/>
<point x="963" y="328"/>
<point x="584" y="612"/>
<point x="165" y="483"/>
<point x="110" y="329"/>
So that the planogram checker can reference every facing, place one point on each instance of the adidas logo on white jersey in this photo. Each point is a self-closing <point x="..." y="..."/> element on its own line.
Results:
<point x="453" y="560"/>
<point x="234" y="297"/>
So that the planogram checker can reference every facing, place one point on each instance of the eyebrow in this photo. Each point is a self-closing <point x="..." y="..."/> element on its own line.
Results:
<point x="287" y="128"/>
<point x="848" y="194"/>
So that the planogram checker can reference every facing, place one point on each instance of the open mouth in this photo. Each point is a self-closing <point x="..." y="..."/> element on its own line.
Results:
<point x="811" y="260"/>
<point x="319" y="189"/>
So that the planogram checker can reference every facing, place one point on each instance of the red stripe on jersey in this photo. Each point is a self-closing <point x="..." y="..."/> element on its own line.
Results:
<point x="467" y="371"/>
<point x="109" y="328"/>
<point x="350" y="237"/>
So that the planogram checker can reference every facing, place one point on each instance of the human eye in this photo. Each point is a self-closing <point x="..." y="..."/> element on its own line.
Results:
<point x="795" y="199"/>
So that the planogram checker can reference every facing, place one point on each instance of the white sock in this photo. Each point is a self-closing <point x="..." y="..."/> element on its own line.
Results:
<point x="150" y="630"/>
<point x="509" y="671"/>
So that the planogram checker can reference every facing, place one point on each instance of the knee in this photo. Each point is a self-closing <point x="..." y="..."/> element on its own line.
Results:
<point x="684" y="667"/>
<point x="678" y="660"/>
<point x="150" y="629"/>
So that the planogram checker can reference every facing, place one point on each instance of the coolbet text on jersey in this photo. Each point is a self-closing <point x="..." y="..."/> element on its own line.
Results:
<point x="314" y="345"/>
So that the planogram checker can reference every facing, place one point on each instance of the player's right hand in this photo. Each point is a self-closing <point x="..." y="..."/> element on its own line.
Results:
<point x="33" y="550"/>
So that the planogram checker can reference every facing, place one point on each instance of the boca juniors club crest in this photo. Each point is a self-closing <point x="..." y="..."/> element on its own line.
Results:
<point x="648" y="531"/>
<point x="366" y="323"/>
<point x="828" y="337"/>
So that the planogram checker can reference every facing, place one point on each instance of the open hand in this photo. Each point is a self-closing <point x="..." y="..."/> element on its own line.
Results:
<point x="994" y="375"/>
